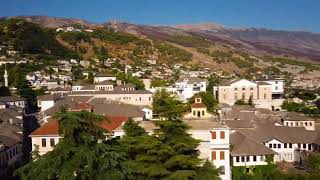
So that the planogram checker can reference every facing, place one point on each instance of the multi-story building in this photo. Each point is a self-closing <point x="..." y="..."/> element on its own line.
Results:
<point x="277" y="91"/>
<point x="124" y="95"/>
<point x="186" y="87"/>
<point x="231" y="91"/>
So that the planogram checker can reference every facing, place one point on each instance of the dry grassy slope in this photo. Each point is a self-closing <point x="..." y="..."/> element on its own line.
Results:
<point x="208" y="61"/>
<point x="122" y="51"/>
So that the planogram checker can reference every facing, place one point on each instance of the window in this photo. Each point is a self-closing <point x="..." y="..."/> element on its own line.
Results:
<point x="223" y="171"/>
<point x="279" y="146"/>
<point x="237" y="159"/>
<point x="247" y="170"/>
<point x="299" y="146"/>
<point x="43" y="142"/>
<point x="251" y="88"/>
<point x="213" y="155"/>
<point x="213" y="135"/>
<point x="247" y="158"/>
<point x="254" y="158"/>
<point x="221" y="155"/>
<point x="194" y="113"/>
<point x="285" y="145"/>
<point x="264" y="96"/>
<point x="242" y="158"/>
<point x="304" y="146"/>
<point x="222" y="135"/>
<point x="276" y="82"/>
<point x="274" y="145"/>
<point x="235" y="88"/>
<point x="290" y="145"/>
<point x="251" y="95"/>
<point x="235" y="96"/>
<point x="276" y="87"/>
<point x="243" y="88"/>
<point x="51" y="142"/>
<point x="243" y="96"/>
<point x="270" y="145"/>
<point x="202" y="113"/>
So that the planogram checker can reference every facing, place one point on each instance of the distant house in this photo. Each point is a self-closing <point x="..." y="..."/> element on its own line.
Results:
<point x="248" y="152"/>
<point x="104" y="77"/>
<point x="47" y="101"/>
<point x="14" y="101"/>
<point x="48" y="135"/>
<point x="104" y="86"/>
<point x="198" y="110"/>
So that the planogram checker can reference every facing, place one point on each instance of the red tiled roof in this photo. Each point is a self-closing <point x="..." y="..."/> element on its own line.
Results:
<point x="113" y="122"/>
<point x="52" y="127"/>
<point x="198" y="105"/>
<point x="79" y="106"/>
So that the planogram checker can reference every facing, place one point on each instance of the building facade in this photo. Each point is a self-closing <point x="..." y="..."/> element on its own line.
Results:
<point x="232" y="91"/>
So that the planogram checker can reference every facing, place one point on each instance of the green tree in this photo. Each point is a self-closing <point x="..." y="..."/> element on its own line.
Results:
<point x="317" y="103"/>
<point x="313" y="162"/>
<point x="25" y="90"/>
<point x="90" y="77"/>
<point x="77" y="73"/>
<point x="250" y="101"/>
<point x="82" y="154"/>
<point x="4" y="91"/>
<point x="167" y="106"/>
<point x="208" y="171"/>
<point x="212" y="81"/>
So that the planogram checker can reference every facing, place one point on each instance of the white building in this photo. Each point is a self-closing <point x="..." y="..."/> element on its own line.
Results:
<point x="14" y="101"/>
<point x="247" y="151"/>
<point x="47" y="101"/>
<point x="99" y="78"/>
<point x="185" y="87"/>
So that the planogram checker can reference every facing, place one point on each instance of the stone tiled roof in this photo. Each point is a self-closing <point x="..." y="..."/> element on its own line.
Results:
<point x="114" y="108"/>
<point x="11" y="99"/>
<point x="282" y="133"/>
<point x="244" y="146"/>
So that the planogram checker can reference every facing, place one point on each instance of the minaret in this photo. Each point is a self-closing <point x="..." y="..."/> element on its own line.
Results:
<point x="5" y="77"/>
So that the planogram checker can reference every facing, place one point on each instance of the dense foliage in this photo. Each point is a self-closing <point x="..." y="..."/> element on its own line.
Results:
<point x="301" y="108"/>
<point x="80" y="155"/>
<point x="29" y="38"/>
<point x="75" y="37"/>
<point x="166" y="105"/>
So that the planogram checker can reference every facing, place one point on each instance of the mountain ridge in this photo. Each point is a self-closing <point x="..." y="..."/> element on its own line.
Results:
<point x="260" y="41"/>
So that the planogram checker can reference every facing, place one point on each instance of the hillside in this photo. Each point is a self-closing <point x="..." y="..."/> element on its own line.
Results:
<point x="237" y="51"/>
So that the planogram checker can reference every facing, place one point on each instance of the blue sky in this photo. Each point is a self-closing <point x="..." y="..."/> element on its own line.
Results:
<point x="274" y="14"/>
